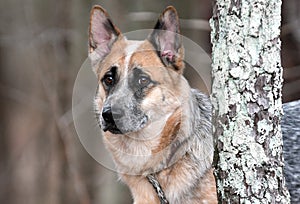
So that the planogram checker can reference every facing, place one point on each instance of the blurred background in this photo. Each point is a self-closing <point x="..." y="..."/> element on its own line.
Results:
<point x="42" y="46"/>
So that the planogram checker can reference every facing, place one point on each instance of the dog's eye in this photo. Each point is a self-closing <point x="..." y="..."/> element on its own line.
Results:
<point x="108" y="81"/>
<point x="144" y="81"/>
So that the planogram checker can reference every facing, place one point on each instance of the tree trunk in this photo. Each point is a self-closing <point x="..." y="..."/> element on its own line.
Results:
<point x="246" y="97"/>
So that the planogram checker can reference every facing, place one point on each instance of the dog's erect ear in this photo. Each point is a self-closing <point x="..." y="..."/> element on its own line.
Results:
<point x="102" y="34"/>
<point x="166" y="39"/>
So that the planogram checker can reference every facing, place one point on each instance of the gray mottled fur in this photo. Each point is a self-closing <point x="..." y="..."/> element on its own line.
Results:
<point x="197" y="150"/>
<point x="291" y="148"/>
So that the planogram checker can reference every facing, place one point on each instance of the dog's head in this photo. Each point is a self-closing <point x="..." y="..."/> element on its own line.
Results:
<point x="138" y="81"/>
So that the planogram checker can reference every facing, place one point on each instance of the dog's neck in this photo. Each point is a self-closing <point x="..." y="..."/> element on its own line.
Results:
<point x="179" y="183"/>
<point x="188" y="157"/>
<point x="186" y="131"/>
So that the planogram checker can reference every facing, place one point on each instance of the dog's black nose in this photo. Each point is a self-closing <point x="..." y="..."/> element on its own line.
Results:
<point x="108" y="116"/>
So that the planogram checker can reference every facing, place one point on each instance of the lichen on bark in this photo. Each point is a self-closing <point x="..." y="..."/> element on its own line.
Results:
<point x="246" y="98"/>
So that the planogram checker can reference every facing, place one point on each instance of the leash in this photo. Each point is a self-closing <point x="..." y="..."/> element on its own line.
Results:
<point x="159" y="191"/>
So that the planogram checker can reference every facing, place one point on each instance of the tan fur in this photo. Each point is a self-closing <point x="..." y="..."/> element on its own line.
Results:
<point x="170" y="131"/>
<point x="171" y="180"/>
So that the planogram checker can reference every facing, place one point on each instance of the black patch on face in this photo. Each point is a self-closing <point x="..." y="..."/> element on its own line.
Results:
<point x="140" y="83"/>
<point x="110" y="79"/>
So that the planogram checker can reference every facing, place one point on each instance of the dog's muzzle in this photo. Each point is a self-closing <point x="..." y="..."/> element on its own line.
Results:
<point x="109" y="120"/>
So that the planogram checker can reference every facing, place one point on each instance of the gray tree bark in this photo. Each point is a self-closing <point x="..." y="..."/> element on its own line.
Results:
<point x="246" y="98"/>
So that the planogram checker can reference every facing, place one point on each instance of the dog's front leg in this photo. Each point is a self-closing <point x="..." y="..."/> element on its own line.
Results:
<point x="142" y="191"/>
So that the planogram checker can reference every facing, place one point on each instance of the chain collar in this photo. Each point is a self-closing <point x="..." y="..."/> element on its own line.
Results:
<point x="159" y="191"/>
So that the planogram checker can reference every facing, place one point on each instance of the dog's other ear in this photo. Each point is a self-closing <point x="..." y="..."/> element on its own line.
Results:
<point x="102" y="34"/>
<point x="167" y="41"/>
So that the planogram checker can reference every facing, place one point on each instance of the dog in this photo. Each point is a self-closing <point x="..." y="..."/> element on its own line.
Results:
<point x="156" y="127"/>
